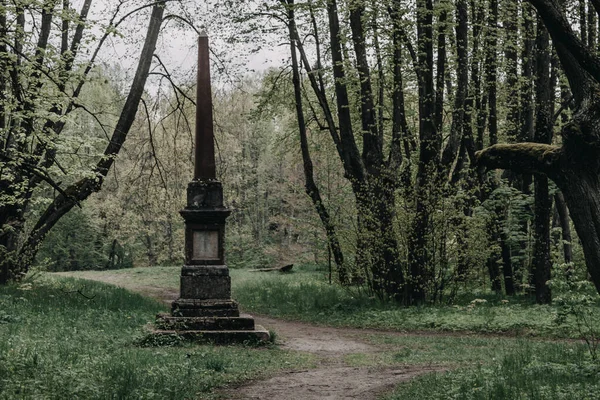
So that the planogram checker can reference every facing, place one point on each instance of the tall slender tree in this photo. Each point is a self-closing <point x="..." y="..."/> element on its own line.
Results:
<point x="43" y="80"/>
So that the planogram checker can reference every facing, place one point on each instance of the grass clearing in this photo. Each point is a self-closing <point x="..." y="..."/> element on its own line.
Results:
<point x="64" y="338"/>
<point x="305" y="295"/>
<point x="308" y="297"/>
<point x="519" y="365"/>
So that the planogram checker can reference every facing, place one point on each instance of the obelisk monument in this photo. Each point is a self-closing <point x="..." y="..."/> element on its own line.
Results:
<point x="204" y="309"/>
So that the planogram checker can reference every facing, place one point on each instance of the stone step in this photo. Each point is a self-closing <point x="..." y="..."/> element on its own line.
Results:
<point x="259" y="334"/>
<point x="168" y="322"/>
<point x="183" y="307"/>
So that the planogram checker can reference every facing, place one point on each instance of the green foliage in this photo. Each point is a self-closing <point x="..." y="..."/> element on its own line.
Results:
<point x="78" y="242"/>
<point x="67" y="338"/>
<point x="578" y="303"/>
<point x="513" y="210"/>
<point x="243" y="251"/>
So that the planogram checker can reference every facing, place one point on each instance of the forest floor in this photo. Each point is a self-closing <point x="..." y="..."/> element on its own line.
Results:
<point x="336" y="376"/>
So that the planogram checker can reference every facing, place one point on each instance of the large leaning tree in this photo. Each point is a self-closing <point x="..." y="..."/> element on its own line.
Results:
<point x="575" y="165"/>
<point x="48" y="53"/>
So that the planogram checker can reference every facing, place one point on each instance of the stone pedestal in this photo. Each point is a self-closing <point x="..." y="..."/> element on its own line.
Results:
<point x="204" y="310"/>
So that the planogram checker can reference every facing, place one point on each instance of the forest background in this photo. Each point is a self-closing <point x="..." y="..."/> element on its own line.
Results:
<point x="358" y="154"/>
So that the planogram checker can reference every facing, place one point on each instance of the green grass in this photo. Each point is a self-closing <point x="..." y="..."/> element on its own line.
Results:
<point x="519" y="364"/>
<point x="65" y="338"/>
<point x="533" y="371"/>
<point x="438" y="349"/>
<point x="481" y="367"/>
<point x="305" y="295"/>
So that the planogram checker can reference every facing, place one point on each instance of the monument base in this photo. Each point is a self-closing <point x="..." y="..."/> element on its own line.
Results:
<point x="219" y="330"/>
<point x="205" y="312"/>
<point x="215" y="329"/>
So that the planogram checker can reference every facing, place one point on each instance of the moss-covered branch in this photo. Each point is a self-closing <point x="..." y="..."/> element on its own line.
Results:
<point x="520" y="157"/>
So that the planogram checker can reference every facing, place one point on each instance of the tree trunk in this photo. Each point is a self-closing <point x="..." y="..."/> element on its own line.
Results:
<point x="581" y="189"/>
<point x="491" y="68"/>
<point x="418" y="252"/>
<point x="373" y="180"/>
<point x="542" y="263"/>
<point x="563" y="214"/>
<point x="442" y="26"/>
<point x="378" y="248"/>
<point x="478" y="13"/>
<point x="513" y="125"/>
<point x="582" y="21"/>
<point x="18" y="260"/>
<point x="591" y="25"/>
<point x="493" y="260"/>
<point x="507" y="267"/>
<point x="310" y="185"/>
<point x="462" y="83"/>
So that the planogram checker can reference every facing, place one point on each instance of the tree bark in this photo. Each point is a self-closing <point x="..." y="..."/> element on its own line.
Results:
<point x="542" y="264"/>
<point x="563" y="214"/>
<point x="442" y="27"/>
<point x="491" y="68"/>
<point x="480" y="101"/>
<point x="418" y="252"/>
<point x="401" y="132"/>
<point x="582" y="21"/>
<point x="462" y="82"/>
<point x="581" y="189"/>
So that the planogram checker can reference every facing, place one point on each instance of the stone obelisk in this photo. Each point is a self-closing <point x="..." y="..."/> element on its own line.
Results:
<point x="205" y="310"/>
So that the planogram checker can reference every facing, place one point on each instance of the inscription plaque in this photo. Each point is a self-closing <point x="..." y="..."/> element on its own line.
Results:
<point x="206" y="245"/>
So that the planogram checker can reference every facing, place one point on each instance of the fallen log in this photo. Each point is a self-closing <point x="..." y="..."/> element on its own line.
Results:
<point x="285" y="268"/>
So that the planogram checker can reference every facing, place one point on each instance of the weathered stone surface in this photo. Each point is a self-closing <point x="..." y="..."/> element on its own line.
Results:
<point x="204" y="308"/>
<point x="199" y="312"/>
<point x="259" y="334"/>
<point x="205" y="245"/>
<point x="207" y="303"/>
<point x="204" y="193"/>
<point x="204" y="236"/>
<point x="206" y="216"/>
<point x="167" y="322"/>
<point x="203" y="270"/>
<point x="205" y="287"/>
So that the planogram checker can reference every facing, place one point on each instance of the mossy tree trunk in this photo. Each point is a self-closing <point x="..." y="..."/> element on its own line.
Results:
<point x="575" y="166"/>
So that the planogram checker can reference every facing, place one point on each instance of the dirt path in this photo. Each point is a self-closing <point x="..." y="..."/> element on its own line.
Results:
<point x="332" y="383"/>
<point x="333" y="379"/>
